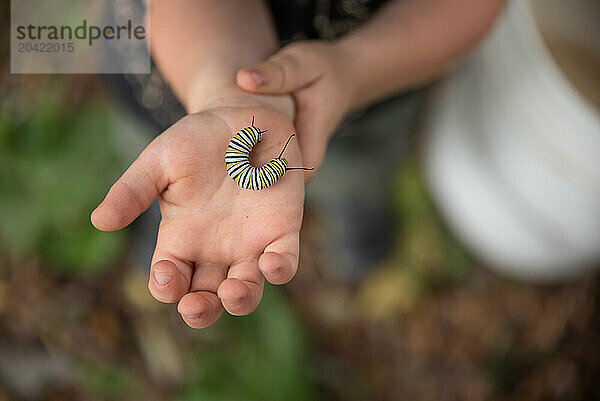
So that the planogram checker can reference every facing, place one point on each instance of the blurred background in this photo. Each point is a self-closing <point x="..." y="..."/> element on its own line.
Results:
<point x="431" y="321"/>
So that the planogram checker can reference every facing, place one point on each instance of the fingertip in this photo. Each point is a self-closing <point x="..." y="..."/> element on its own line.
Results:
<point x="193" y="305"/>
<point x="237" y="298"/>
<point x="94" y="218"/>
<point x="232" y="291"/>
<point x="276" y="268"/>
<point x="200" y="309"/>
<point x="104" y="219"/>
<point x="249" y="79"/>
<point x="166" y="283"/>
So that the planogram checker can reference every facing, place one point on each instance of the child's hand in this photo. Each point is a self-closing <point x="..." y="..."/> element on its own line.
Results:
<point x="314" y="73"/>
<point x="216" y="240"/>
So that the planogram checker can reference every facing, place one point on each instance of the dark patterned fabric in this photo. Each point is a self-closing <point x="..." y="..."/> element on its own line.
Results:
<point x="319" y="19"/>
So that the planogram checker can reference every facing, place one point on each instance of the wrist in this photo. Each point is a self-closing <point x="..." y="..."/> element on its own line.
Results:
<point x="352" y="70"/>
<point x="360" y="71"/>
<point x="230" y="95"/>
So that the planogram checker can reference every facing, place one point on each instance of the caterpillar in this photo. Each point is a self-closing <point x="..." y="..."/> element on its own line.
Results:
<point x="237" y="161"/>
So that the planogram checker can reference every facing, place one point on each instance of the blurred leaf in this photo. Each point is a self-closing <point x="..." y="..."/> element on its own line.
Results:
<point x="426" y="254"/>
<point x="388" y="292"/>
<point x="259" y="358"/>
<point x="108" y="382"/>
<point x="56" y="162"/>
<point x="430" y="251"/>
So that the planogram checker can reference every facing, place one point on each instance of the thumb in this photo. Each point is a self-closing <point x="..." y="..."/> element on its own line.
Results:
<point x="132" y="194"/>
<point x="279" y="262"/>
<point x="285" y="72"/>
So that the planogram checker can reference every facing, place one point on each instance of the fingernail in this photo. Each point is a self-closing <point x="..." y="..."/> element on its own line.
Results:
<point x="257" y="76"/>
<point x="162" y="278"/>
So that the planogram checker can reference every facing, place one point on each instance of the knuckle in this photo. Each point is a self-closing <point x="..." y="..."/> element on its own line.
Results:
<point x="297" y="48"/>
<point x="287" y="62"/>
<point x="279" y="75"/>
<point x="301" y="51"/>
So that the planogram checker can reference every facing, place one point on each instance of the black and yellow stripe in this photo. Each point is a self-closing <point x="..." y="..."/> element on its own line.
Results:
<point x="237" y="160"/>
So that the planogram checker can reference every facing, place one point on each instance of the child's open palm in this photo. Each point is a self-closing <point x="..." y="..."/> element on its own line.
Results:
<point x="216" y="241"/>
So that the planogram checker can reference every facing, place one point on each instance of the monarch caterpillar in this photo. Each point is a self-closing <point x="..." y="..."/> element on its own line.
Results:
<point x="237" y="161"/>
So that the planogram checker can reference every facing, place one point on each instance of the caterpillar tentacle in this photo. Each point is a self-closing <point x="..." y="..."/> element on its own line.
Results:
<point x="244" y="174"/>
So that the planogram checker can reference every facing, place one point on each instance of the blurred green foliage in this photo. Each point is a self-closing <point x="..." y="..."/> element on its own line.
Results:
<point x="56" y="162"/>
<point x="105" y="381"/>
<point x="426" y="256"/>
<point x="261" y="357"/>
<point x="426" y="248"/>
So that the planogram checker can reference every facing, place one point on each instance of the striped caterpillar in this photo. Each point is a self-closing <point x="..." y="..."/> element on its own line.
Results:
<point x="237" y="161"/>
